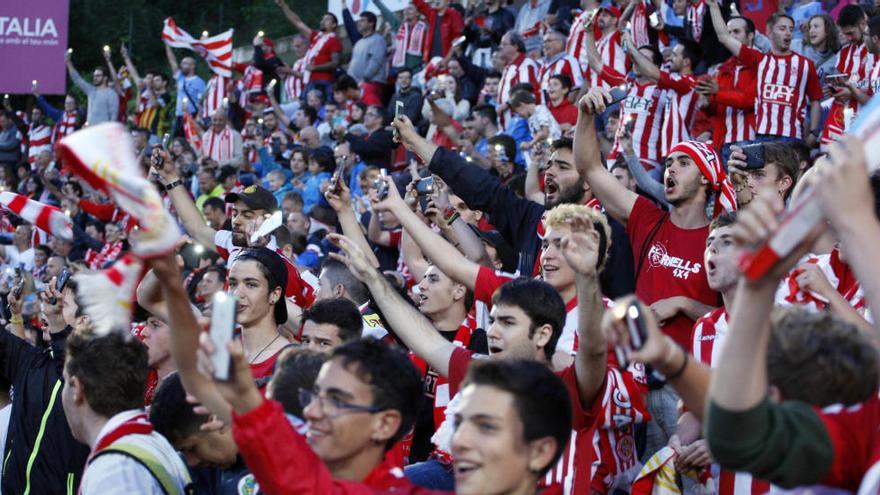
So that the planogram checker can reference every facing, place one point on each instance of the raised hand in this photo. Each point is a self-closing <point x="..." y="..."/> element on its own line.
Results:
<point x="392" y="199"/>
<point x="406" y="132"/>
<point x="581" y="247"/>
<point x="353" y="257"/>
<point x="595" y="101"/>
<point x="340" y="200"/>
<point x="656" y="350"/>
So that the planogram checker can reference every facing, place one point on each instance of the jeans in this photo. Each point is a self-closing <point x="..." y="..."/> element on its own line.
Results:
<point x="663" y="406"/>
<point x="431" y="474"/>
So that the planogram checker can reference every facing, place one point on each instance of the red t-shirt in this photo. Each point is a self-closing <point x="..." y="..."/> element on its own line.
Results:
<point x="855" y="436"/>
<point x="565" y="113"/>
<point x="264" y="368"/>
<point x="573" y="471"/>
<point x="669" y="262"/>
<point x="323" y="46"/>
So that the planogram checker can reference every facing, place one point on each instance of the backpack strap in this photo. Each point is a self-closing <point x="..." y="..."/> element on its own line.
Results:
<point x="152" y="463"/>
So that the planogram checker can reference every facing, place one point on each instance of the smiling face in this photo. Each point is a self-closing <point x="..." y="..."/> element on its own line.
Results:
<point x="555" y="90"/>
<point x="297" y="163"/>
<point x="554" y="268"/>
<point x="251" y="288"/>
<point x="683" y="180"/>
<point x="438" y="293"/>
<point x="562" y="182"/>
<point x="491" y="455"/>
<point x="554" y="43"/>
<point x="210" y="284"/>
<point x="720" y="258"/>
<point x="336" y="435"/>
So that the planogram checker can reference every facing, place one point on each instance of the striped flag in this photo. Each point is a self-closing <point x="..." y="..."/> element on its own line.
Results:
<point x="216" y="50"/>
<point x="47" y="218"/>
<point x="192" y="133"/>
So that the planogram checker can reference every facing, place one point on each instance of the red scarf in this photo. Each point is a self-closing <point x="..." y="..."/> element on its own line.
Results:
<point x="66" y="125"/>
<point x="694" y="16"/>
<point x="409" y="41"/>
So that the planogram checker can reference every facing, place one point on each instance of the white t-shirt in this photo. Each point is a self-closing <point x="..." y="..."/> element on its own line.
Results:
<point x="543" y="118"/>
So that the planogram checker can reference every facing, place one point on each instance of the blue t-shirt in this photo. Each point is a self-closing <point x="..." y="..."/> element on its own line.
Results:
<point x="191" y="88"/>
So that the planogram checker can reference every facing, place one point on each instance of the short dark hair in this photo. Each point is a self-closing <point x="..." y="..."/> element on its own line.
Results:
<point x="310" y="113"/>
<point x="323" y="156"/>
<point x="521" y="98"/>
<point x="509" y="145"/>
<point x="818" y="358"/>
<point x="339" y="274"/>
<point x="340" y="312"/>
<point x="215" y="203"/>
<point x="850" y="15"/>
<point x="785" y="159"/>
<point x="370" y="17"/>
<point x="163" y="76"/>
<point x="380" y="111"/>
<point x="539" y="396"/>
<point x="335" y="19"/>
<point x="540" y="302"/>
<point x="170" y="413"/>
<point x="492" y="74"/>
<point x="112" y="369"/>
<point x="517" y="40"/>
<point x="344" y="83"/>
<point x="522" y="87"/>
<point x="404" y="69"/>
<point x="750" y="24"/>
<point x="776" y="17"/>
<point x="488" y="112"/>
<point x="725" y="219"/>
<point x="562" y="143"/>
<point x="563" y="79"/>
<point x="874" y="26"/>
<point x="691" y="51"/>
<point x="656" y="56"/>
<point x="295" y="368"/>
<point x="45" y="249"/>
<point x="394" y="380"/>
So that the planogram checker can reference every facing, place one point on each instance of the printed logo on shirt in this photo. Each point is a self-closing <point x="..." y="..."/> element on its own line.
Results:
<point x="248" y="485"/>
<point x="658" y="257"/>
<point x="705" y="338"/>
<point x="638" y="104"/>
<point x="626" y="446"/>
<point x="777" y="93"/>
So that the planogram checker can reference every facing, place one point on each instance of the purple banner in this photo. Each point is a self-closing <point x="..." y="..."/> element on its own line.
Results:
<point x="33" y="39"/>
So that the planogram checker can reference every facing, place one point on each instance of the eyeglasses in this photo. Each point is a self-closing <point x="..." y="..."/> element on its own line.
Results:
<point x="334" y="407"/>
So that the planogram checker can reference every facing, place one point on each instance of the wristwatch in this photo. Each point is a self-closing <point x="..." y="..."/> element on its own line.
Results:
<point x="171" y="185"/>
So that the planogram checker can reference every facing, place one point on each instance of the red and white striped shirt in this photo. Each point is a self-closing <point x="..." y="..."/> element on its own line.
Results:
<point x="612" y="55"/>
<point x="295" y="86"/>
<point x="39" y="139"/>
<point x="410" y="40"/>
<point x="643" y="109"/>
<point x="640" y="24"/>
<point x="215" y="91"/>
<point x="218" y="145"/>
<point x="710" y="331"/>
<point x="785" y="82"/>
<point x="858" y="62"/>
<point x="734" y="103"/>
<point x="694" y="17"/>
<point x="576" y="45"/>
<point x="562" y="63"/>
<point x="521" y="70"/>
<point x="678" y="117"/>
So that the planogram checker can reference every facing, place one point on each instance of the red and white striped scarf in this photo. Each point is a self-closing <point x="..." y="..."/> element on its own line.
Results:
<point x="409" y="41"/>
<point x="694" y="15"/>
<point x="215" y="91"/>
<point x="66" y="125"/>
<point x="39" y="139"/>
<point x="218" y="145"/>
<point x="293" y="85"/>
<point x="98" y="259"/>
<point x="318" y="43"/>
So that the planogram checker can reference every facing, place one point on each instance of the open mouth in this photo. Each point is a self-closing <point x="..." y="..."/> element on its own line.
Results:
<point x="549" y="268"/>
<point x="669" y="183"/>
<point x="422" y="299"/>
<point x="494" y="349"/>
<point x="551" y="188"/>
<point x="464" y="469"/>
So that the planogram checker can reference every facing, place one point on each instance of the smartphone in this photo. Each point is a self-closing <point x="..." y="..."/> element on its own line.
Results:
<point x="271" y="85"/>
<point x="398" y="110"/>
<point x="60" y="284"/>
<point x="458" y="41"/>
<point x="638" y="332"/>
<point x="380" y="185"/>
<point x="835" y="79"/>
<point x="223" y="309"/>
<point x="424" y="188"/>
<point x="754" y="156"/>
<point x="654" y="19"/>
<point x="338" y="175"/>
<point x="618" y="94"/>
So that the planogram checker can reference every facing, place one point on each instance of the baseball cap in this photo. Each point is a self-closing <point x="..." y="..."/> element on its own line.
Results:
<point x="506" y="254"/>
<point x="256" y="197"/>
<point x="277" y="270"/>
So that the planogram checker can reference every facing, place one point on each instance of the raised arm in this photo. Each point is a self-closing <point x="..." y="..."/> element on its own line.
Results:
<point x="594" y="59"/>
<point x="729" y="42"/>
<point x="132" y="70"/>
<point x="351" y="228"/>
<point x="646" y="66"/>
<point x="448" y="259"/>
<point x="81" y="83"/>
<point x="183" y="204"/>
<point x="581" y="251"/>
<point x="149" y="296"/>
<point x="617" y="199"/>
<point x="294" y="19"/>
<point x="117" y="84"/>
<point x="390" y="17"/>
<point x="172" y="60"/>
<point x="185" y="333"/>
<point x="408" y="324"/>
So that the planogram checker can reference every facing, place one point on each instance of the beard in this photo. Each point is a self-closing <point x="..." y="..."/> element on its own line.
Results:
<point x="239" y="240"/>
<point x="573" y="194"/>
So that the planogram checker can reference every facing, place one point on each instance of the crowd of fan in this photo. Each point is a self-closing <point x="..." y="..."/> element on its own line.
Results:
<point x="459" y="183"/>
